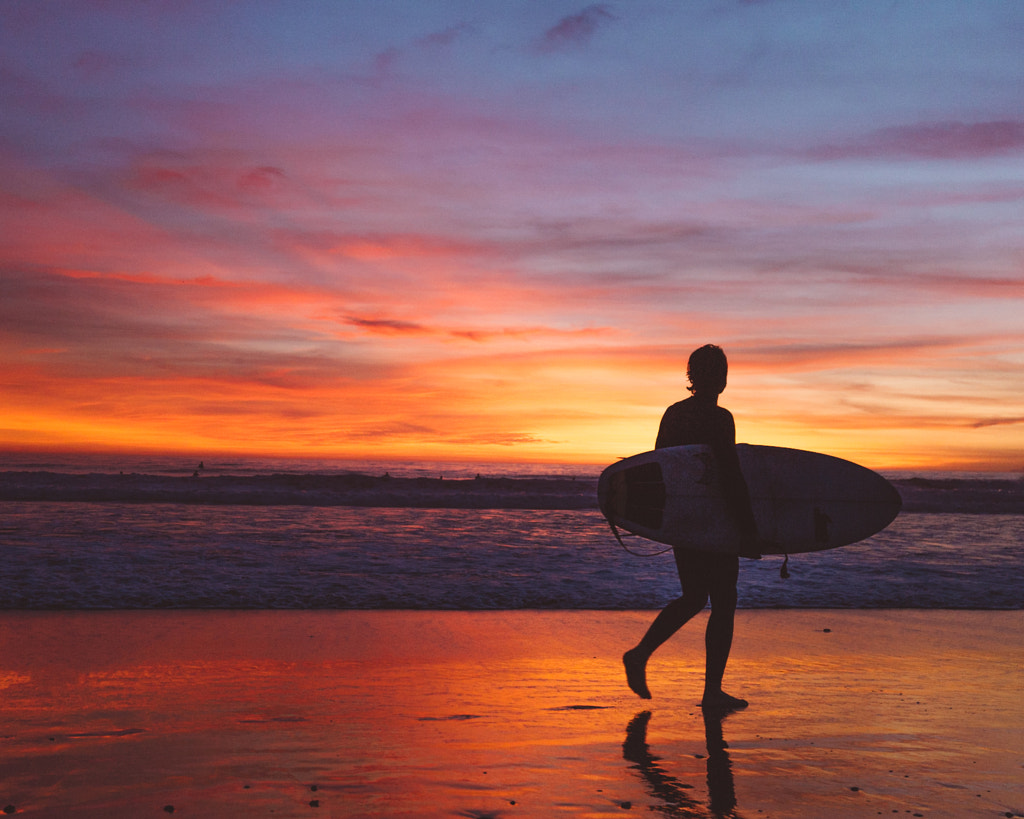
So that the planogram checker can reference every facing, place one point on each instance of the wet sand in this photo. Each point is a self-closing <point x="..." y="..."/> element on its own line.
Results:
<point x="506" y="714"/>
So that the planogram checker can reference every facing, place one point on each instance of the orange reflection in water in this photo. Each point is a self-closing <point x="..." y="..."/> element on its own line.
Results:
<point x="416" y="714"/>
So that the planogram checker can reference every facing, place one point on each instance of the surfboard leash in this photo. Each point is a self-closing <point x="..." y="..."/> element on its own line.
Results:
<point x="618" y="537"/>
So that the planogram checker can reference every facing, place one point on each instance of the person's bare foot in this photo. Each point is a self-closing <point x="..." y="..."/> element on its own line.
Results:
<point x="636" y="673"/>
<point x="722" y="702"/>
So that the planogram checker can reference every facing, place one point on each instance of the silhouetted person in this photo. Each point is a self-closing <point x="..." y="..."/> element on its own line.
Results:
<point x="703" y="575"/>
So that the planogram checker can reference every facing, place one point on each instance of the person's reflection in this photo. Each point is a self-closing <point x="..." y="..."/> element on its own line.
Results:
<point x="721" y="788"/>
<point x="673" y="793"/>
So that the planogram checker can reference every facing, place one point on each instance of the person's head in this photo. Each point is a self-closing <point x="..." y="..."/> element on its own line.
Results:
<point x="708" y="370"/>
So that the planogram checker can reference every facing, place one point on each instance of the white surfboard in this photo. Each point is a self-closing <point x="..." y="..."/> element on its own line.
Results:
<point x="802" y="501"/>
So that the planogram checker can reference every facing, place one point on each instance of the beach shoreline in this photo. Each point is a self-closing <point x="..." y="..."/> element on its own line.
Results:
<point x="972" y="496"/>
<point x="506" y="713"/>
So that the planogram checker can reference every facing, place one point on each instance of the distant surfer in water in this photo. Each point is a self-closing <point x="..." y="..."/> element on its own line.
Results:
<point x="703" y="575"/>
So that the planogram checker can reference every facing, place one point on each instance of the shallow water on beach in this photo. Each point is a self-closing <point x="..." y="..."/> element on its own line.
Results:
<point x="505" y="714"/>
<point x="115" y="555"/>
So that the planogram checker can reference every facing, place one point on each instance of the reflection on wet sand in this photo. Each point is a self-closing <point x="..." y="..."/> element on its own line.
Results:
<point x="672" y="792"/>
<point x="234" y="714"/>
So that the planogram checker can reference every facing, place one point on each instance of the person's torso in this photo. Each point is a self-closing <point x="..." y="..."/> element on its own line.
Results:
<point x="695" y="422"/>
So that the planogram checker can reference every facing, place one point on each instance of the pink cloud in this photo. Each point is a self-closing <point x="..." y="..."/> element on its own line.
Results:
<point x="382" y="246"/>
<point x="214" y="186"/>
<point x="534" y="333"/>
<point x="261" y="179"/>
<point x="776" y="356"/>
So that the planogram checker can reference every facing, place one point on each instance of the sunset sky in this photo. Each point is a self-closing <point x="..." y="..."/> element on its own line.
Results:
<point x="483" y="230"/>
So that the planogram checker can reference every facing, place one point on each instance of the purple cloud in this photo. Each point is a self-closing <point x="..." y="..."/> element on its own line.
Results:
<point x="576" y="29"/>
<point x="447" y="36"/>
<point x="941" y="140"/>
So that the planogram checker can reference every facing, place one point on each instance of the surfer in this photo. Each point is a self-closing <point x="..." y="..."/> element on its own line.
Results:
<point x="703" y="575"/>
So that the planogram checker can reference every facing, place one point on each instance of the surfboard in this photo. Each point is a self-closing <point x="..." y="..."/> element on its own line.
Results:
<point x="802" y="501"/>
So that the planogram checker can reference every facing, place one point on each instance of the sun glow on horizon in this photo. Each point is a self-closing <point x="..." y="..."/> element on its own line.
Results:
<point x="372" y="239"/>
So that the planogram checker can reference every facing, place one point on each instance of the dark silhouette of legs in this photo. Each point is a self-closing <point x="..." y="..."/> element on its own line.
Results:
<point x="703" y="576"/>
<point x="717" y="644"/>
<point x="671" y="618"/>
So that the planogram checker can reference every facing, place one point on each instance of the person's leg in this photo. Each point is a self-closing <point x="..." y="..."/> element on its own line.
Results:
<point x="718" y="635"/>
<point x="671" y="618"/>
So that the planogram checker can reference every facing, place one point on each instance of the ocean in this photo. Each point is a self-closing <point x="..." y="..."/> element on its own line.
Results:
<point x="146" y="532"/>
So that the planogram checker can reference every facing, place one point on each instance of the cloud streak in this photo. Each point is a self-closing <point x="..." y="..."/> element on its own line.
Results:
<point x="576" y="30"/>
<point x="940" y="140"/>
